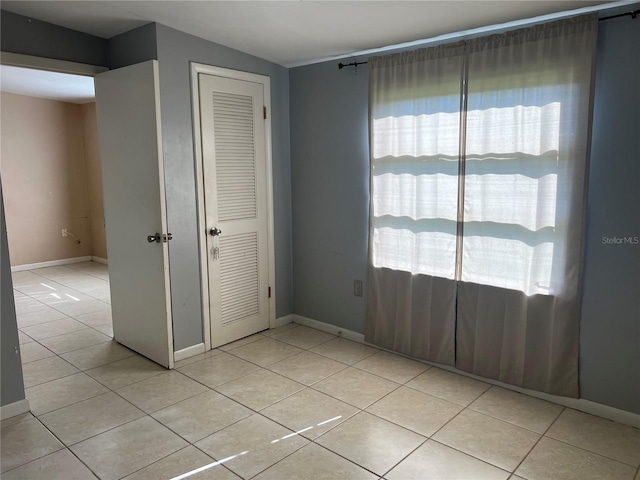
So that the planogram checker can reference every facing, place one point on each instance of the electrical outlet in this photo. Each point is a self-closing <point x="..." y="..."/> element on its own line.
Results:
<point x="357" y="288"/>
<point x="65" y="232"/>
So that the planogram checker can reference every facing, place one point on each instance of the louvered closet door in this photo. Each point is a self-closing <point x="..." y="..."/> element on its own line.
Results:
<point x="234" y="166"/>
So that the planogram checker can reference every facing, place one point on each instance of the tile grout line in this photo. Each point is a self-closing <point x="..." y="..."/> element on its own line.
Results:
<point x="99" y="433"/>
<point x="309" y="349"/>
<point x="441" y="398"/>
<point x="235" y="473"/>
<point x="66" y="286"/>
<point x="507" y="421"/>
<point x="243" y="376"/>
<point x="64" y="447"/>
<point x="589" y="451"/>
<point x="345" y="458"/>
<point x="222" y="464"/>
<point x="537" y="441"/>
<point x="259" y="412"/>
<point x="363" y="410"/>
<point x="427" y="438"/>
<point x="74" y="403"/>
<point x="52" y="380"/>
<point x="303" y="350"/>
<point x="254" y="412"/>
<point x="467" y="407"/>
<point x="464" y="408"/>
<point x="206" y="386"/>
<point x="66" y="315"/>
<point x="144" y="414"/>
<point x="63" y="353"/>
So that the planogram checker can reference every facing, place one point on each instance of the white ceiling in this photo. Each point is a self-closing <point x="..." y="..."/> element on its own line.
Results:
<point x="294" y="33"/>
<point x="51" y="85"/>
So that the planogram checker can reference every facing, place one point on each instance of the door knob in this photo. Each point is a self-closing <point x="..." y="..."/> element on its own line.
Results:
<point x="214" y="232"/>
<point x="153" y="238"/>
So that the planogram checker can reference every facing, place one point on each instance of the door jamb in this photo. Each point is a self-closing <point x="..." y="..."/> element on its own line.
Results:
<point x="200" y="68"/>
<point x="50" y="64"/>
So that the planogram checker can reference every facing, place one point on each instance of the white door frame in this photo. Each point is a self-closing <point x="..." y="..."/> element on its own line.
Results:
<point x="198" y="68"/>
<point x="50" y="64"/>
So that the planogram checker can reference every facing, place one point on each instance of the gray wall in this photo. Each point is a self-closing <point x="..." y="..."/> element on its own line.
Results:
<point x="11" y="386"/>
<point x="329" y="170"/>
<point x="610" y="327"/>
<point x="41" y="39"/>
<point x="330" y="191"/>
<point x="135" y="46"/>
<point x="175" y="51"/>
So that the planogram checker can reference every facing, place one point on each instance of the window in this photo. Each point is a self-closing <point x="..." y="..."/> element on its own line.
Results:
<point x="475" y="194"/>
<point x="478" y="182"/>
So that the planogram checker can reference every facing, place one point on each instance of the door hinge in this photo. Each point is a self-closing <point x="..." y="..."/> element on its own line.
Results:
<point x="264" y="112"/>
<point x="269" y="292"/>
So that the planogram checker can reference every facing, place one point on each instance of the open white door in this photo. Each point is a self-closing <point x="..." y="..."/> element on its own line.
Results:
<point x="129" y="130"/>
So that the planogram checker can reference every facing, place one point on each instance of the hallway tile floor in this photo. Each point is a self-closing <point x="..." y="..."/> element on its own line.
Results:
<point x="289" y="403"/>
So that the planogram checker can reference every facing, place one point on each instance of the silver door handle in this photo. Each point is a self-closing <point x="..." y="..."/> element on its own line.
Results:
<point x="158" y="238"/>
<point x="214" y="232"/>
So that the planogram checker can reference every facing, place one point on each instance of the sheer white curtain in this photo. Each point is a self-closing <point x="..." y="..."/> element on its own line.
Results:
<point x="478" y="178"/>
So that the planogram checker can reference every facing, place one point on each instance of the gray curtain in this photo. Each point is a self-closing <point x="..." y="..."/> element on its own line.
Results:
<point x="516" y="175"/>
<point x="415" y="154"/>
<point x="525" y="330"/>
<point x="411" y="314"/>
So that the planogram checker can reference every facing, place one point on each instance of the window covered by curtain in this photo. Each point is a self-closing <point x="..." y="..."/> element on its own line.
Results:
<point x="478" y="176"/>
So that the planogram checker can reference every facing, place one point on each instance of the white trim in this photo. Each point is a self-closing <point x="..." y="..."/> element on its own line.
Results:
<point x="15" y="408"/>
<point x="188" y="352"/>
<point x="327" y="327"/>
<point x="163" y="211"/>
<point x="587" y="406"/>
<point x="50" y="64"/>
<point x="51" y="263"/>
<point x="197" y="68"/>
<point x="284" y="320"/>
<point x="202" y="242"/>
<point x="101" y="260"/>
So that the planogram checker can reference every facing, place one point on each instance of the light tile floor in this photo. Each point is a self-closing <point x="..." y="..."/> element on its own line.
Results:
<point x="289" y="403"/>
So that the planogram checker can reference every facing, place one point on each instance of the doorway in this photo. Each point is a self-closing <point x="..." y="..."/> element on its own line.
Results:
<point x="232" y="133"/>
<point x="52" y="196"/>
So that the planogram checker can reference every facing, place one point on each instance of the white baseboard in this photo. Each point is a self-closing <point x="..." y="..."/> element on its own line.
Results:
<point x="188" y="352"/>
<point x="52" y="263"/>
<point x="280" y="321"/>
<point x="101" y="260"/>
<point x="327" y="327"/>
<point x="15" y="408"/>
<point x="587" y="406"/>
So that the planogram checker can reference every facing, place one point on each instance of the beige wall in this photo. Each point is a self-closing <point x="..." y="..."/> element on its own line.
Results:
<point x="94" y="179"/>
<point x="47" y="179"/>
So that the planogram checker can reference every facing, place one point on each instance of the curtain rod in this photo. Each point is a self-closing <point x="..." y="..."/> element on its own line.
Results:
<point x="352" y="64"/>
<point x="632" y="14"/>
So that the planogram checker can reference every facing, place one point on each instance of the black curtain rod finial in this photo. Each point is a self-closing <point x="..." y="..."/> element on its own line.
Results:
<point x="632" y="14"/>
<point x="352" y="64"/>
